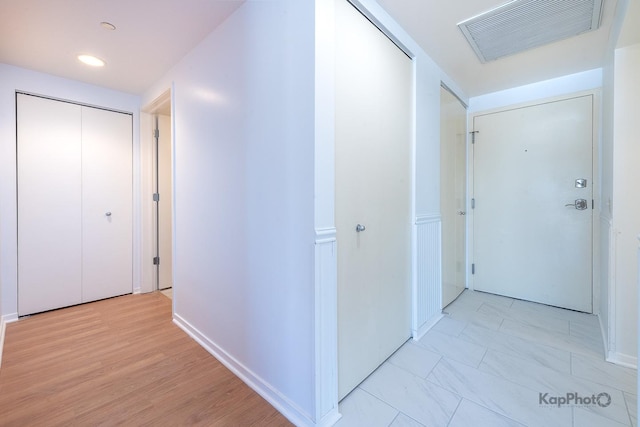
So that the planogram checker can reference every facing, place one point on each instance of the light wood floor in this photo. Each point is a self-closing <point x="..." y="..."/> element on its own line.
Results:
<point x="119" y="362"/>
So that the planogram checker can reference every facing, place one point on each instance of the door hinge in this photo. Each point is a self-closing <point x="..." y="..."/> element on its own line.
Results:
<point x="156" y="260"/>
<point x="593" y="204"/>
<point x="156" y="197"/>
<point x="156" y="133"/>
<point x="473" y="136"/>
<point x="473" y="269"/>
<point x="473" y="203"/>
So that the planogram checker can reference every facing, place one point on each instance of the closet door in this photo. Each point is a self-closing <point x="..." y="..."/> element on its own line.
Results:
<point x="106" y="204"/>
<point x="49" y="200"/>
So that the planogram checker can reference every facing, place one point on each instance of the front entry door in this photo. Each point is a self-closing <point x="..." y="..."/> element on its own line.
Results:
<point x="373" y="196"/>
<point x="533" y="192"/>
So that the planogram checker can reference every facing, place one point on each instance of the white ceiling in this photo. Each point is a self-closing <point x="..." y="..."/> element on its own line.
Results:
<point x="433" y="24"/>
<point x="152" y="35"/>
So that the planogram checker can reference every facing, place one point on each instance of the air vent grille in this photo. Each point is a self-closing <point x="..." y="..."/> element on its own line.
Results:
<point x="525" y="24"/>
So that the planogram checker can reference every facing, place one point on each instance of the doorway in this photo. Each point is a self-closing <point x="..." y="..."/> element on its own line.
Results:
<point x="533" y="193"/>
<point x="373" y="196"/>
<point x="163" y="200"/>
<point x="453" y="177"/>
<point x="160" y="185"/>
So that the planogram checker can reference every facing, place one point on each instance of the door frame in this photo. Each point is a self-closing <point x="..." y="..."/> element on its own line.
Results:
<point x="465" y="254"/>
<point x="149" y="271"/>
<point x="597" y="214"/>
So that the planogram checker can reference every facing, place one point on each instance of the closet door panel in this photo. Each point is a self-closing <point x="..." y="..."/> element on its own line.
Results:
<point x="49" y="200"/>
<point x="106" y="204"/>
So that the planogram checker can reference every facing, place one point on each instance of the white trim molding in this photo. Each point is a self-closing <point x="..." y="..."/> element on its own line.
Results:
<point x="8" y="318"/>
<point x="427" y="286"/>
<point x="286" y="407"/>
<point x="326" y="327"/>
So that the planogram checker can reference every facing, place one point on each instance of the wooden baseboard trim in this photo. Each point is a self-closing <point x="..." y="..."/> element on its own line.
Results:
<point x="270" y="394"/>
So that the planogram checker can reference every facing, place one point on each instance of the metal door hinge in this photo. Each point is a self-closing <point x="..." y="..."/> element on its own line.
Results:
<point x="156" y="197"/>
<point x="593" y="204"/>
<point x="473" y="203"/>
<point x="473" y="269"/>
<point x="156" y="260"/>
<point x="473" y="136"/>
<point x="156" y="133"/>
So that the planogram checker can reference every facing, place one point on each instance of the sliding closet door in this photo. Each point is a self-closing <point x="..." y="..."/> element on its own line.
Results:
<point x="106" y="204"/>
<point x="373" y="196"/>
<point x="49" y="200"/>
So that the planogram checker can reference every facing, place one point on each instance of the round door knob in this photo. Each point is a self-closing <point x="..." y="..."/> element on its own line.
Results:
<point x="108" y="214"/>
<point x="360" y="228"/>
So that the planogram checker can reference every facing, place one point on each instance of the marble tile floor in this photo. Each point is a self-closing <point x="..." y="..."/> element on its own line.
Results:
<point x="495" y="361"/>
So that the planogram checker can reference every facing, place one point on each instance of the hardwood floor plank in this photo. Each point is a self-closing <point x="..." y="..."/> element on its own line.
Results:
<point x="119" y="361"/>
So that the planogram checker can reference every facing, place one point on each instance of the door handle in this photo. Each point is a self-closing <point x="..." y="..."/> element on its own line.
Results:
<point x="360" y="228"/>
<point x="108" y="214"/>
<point x="579" y="204"/>
<point x="461" y="213"/>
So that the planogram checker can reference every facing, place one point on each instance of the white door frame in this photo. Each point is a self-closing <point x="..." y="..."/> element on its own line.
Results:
<point x="595" y="176"/>
<point x="147" y="228"/>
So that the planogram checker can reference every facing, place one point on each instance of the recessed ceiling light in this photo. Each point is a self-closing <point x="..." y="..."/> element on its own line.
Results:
<point x="91" y="60"/>
<point x="108" y="26"/>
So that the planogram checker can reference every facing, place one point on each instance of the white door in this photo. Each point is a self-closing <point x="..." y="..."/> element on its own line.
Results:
<point x="49" y="198"/>
<point x="453" y="176"/>
<point x="373" y="189"/>
<point x="532" y="233"/>
<point x="74" y="204"/>
<point x="164" y="214"/>
<point x="107" y="214"/>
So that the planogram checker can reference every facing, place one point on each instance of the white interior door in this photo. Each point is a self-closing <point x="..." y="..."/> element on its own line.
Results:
<point x="527" y="243"/>
<point x="49" y="199"/>
<point x="107" y="214"/>
<point x="373" y="188"/>
<point x="453" y="176"/>
<point x="165" y="216"/>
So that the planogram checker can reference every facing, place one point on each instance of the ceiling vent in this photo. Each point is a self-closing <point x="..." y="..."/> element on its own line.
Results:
<point x="525" y="24"/>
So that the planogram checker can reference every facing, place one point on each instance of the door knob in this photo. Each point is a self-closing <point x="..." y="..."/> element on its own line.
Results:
<point x="360" y="228"/>
<point x="461" y="213"/>
<point x="579" y="204"/>
<point x="108" y="214"/>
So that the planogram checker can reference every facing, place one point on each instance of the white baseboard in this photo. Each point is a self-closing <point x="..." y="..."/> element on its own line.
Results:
<point x="622" y="360"/>
<point x="3" y="328"/>
<point x="426" y="326"/>
<point x="605" y="338"/>
<point x="269" y="393"/>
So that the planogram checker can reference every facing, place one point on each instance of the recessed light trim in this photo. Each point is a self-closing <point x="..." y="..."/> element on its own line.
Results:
<point x="91" y="60"/>
<point x="107" y="26"/>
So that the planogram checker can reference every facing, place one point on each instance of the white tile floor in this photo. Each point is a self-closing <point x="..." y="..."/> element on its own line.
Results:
<point x="487" y="362"/>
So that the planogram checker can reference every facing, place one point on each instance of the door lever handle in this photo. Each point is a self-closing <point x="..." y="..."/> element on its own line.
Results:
<point x="360" y="228"/>
<point x="579" y="204"/>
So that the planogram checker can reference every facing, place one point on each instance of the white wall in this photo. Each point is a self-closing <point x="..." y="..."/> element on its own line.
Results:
<point x="604" y="252"/>
<point x="244" y="197"/>
<point x="626" y="206"/>
<point x="14" y="79"/>
<point x="572" y="83"/>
